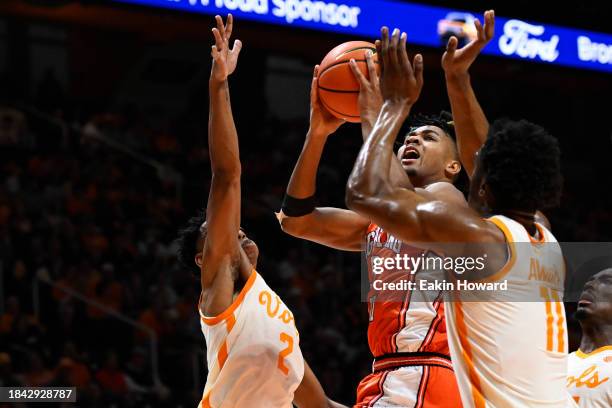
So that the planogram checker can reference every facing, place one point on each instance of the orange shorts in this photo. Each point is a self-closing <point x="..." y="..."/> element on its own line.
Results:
<point x="418" y="386"/>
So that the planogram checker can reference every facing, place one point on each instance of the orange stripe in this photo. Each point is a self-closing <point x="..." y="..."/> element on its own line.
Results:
<point x="560" y="323"/>
<point x="582" y="354"/>
<point x="479" y="401"/>
<point x="247" y="286"/>
<point x="511" y="260"/>
<point x="549" y="318"/>
<point x="230" y="322"/>
<point x="205" y="403"/>
<point x="222" y="355"/>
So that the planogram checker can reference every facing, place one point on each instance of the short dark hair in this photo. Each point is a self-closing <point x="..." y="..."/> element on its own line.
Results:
<point x="522" y="162"/>
<point x="187" y="242"/>
<point x="443" y="120"/>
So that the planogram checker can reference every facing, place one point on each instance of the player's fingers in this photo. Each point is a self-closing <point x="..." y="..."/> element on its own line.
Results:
<point x="218" y="39"/>
<point x="358" y="74"/>
<point x="479" y="30"/>
<point x="451" y="47"/>
<point x="214" y="52"/>
<point x="315" y="72"/>
<point x="371" y="66"/>
<point x="314" y="96"/>
<point x="229" y="25"/>
<point x="237" y="47"/>
<point x="384" y="43"/>
<point x="394" y="47"/>
<point x="418" y="69"/>
<point x="403" y="52"/>
<point x="490" y="25"/>
<point x="378" y="46"/>
<point x="220" y="26"/>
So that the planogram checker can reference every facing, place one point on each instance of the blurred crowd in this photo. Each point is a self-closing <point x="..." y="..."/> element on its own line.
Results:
<point x="92" y="296"/>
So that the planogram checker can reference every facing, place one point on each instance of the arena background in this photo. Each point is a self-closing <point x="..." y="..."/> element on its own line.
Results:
<point x="103" y="157"/>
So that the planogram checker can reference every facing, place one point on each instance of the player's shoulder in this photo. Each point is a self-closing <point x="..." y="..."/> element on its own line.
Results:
<point x="447" y="192"/>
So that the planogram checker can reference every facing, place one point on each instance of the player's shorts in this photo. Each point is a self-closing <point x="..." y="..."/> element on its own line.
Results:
<point x="401" y="382"/>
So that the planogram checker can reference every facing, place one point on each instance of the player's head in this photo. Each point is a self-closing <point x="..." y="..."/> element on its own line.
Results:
<point x="517" y="169"/>
<point x="595" y="303"/>
<point x="428" y="152"/>
<point x="191" y="242"/>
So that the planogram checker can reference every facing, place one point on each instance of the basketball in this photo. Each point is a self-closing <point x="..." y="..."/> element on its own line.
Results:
<point x="338" y="87"/>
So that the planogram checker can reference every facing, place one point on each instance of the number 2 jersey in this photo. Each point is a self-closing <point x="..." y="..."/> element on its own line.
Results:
<point x="253" y="353"/>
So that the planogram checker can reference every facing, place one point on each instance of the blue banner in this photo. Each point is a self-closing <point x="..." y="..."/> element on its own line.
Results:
<point x="425" y="25"/>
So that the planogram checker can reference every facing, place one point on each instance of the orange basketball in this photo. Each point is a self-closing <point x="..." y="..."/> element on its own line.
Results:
<point x="338" y="87"/>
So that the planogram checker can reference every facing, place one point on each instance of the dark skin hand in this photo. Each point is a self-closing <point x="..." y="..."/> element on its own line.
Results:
<point x="222" y="257"/>
<point x="401" y="211"/>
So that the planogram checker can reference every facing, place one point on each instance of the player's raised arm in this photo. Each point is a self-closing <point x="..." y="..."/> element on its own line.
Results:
<point x="471" y="125"/>
<point x="410" y="216"/>
<point x="370" y="105"/>
<point x="221" y="248"/>
<point x="334" y="227"/>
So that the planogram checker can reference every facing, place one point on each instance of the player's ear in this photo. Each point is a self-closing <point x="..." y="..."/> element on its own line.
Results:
<point x="453" y="167"/>
<point x="198" y="259"/>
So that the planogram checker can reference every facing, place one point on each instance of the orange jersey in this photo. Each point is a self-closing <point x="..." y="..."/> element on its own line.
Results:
<point x="405" y="321"/>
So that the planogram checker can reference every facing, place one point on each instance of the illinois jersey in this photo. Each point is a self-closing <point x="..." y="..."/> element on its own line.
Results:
<point x="406" y="335"/>
<point x="509" y="348"/>
<point x="589" y="378"/>
<point x="402" y="321"/>
<point x="253" y="353"/>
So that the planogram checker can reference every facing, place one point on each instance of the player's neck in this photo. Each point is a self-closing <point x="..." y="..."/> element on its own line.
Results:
<point x="595" y="336"/>
<point x="525" y="218"/>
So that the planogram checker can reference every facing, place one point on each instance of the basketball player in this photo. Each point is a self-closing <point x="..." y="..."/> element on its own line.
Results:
<point x="590" y="368"/>
<point x="406" y="337"/>
<point x="470" y="123"/>
<point x="253" y="352"/>
<point x="506" y="350"/>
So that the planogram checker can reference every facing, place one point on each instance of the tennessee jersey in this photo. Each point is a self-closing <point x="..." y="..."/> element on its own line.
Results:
<point x="589" y="378"/>
<point x="510" y="349"/>
<point x="253" y="352"/>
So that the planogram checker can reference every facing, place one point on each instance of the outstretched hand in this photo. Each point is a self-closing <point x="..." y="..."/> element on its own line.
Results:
<point x="322" y="123"/>
<point x="400" y="81"/>
<point x="370" y="99"/>
<point x="224" y="58"/>
<point x="456" y="62"/>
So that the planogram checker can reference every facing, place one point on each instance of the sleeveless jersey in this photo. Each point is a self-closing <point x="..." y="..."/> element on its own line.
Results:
<point x="589" y="378"/>
<point x="509" y="347"/>
<point x="404" y="321"/>
<point x="253" y="353"/>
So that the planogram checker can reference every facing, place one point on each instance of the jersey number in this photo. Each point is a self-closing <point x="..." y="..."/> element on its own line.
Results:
<point x="285" y="338"/>
<point x="554" y="319"/>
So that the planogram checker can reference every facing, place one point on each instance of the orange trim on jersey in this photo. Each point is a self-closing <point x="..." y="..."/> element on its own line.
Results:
<point x="582" y="354"/>
<point x="541" y="239"/>
<point x="230" y="310"/>
<point x="466" y="352"/>
<point x="222" y="355"/>
<point x="560" y="323"/>
<point x="230" y="322"/>
<point x="512" y="256"/>
<point x="205" y="403"/>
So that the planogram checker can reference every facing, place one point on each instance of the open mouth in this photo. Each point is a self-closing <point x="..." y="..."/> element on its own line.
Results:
<point x="410" y="154"/>
<point x="586" y="299"/>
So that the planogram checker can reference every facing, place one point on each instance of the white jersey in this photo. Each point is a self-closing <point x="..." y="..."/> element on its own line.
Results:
<point x="508" y="348"/>
<point x="589" y="378"/>
<point x="253" y="351"/>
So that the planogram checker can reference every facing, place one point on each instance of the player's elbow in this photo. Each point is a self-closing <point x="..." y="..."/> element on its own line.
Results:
<point x="227" y="173"/>
<point x="358" y="199"/>
<point x="294" y="226"/>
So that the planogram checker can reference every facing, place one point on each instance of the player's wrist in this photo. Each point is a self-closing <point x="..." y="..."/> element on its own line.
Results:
<point x="457" y="78"/>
